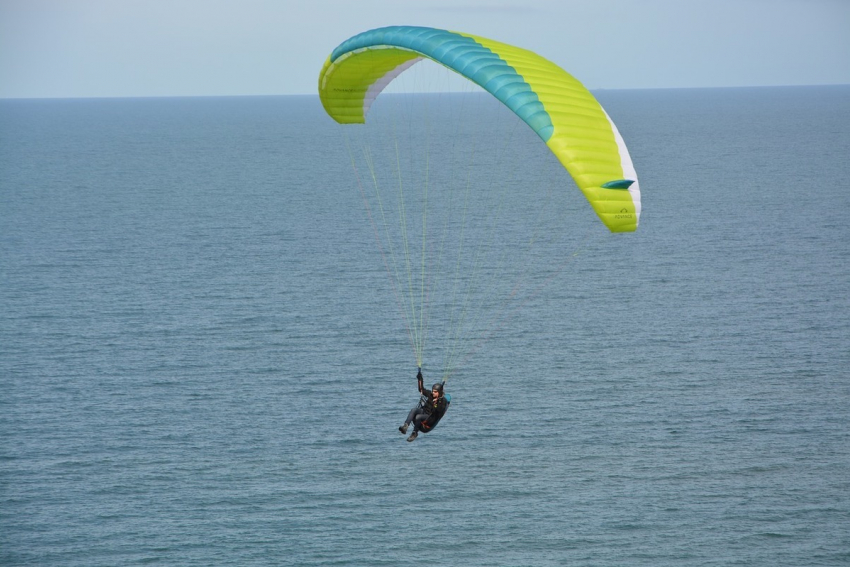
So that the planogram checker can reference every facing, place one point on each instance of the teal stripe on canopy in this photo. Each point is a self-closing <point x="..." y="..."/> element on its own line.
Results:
<point x="469" y="58"/>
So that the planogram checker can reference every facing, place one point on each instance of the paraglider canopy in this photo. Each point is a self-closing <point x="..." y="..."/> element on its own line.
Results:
<point x="563" y="113"/>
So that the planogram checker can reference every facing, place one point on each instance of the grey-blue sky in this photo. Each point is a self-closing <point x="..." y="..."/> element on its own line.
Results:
<point x="84" y="48"/>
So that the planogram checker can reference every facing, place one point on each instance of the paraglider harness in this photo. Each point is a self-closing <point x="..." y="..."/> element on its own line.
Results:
<point x="425" y="403"/>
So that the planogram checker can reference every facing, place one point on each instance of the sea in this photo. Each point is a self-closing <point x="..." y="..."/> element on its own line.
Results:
<point x="202" y="363"/>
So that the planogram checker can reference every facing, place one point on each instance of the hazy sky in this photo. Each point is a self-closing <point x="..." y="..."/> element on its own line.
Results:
<point x="105" y="48"/>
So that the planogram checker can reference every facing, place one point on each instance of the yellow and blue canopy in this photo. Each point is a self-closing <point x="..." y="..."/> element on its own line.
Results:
<point x="554" y="104"/>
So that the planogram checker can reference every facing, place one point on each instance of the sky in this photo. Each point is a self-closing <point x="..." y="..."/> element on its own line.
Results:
<point x="144" y="48"/>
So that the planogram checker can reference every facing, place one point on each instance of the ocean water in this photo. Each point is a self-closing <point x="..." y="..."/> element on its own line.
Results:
<point x="201" y="363"/>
